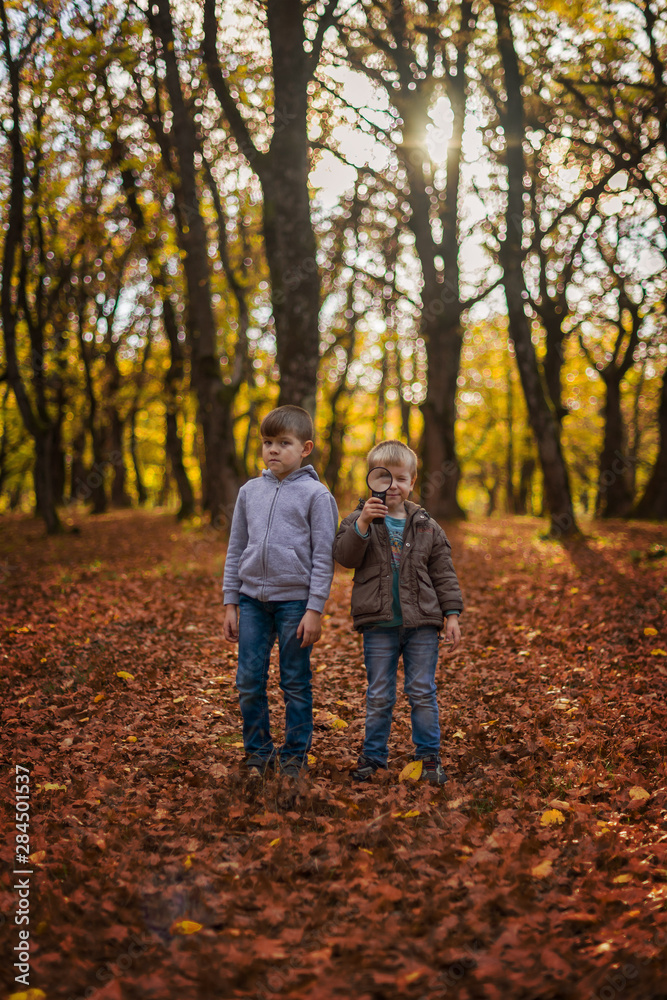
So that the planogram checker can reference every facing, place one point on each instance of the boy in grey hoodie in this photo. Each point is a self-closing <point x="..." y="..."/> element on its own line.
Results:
<point x="277" y="578"/>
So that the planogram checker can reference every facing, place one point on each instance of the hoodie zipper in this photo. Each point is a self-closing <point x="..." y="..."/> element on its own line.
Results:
<point x="266" y="540"/>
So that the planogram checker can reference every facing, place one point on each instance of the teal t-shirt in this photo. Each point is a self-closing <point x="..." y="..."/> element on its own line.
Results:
<point x="395" y="527"/>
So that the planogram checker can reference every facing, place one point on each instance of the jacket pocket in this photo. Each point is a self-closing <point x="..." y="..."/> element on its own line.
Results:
<point x="367" y="591"/>
<point x="426" y="595"/>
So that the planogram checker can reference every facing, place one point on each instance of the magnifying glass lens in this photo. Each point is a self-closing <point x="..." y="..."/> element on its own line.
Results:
<point x="379" y="480"/>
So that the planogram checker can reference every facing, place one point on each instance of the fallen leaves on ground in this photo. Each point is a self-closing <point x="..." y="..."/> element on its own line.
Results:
<point x="159" y="872"/>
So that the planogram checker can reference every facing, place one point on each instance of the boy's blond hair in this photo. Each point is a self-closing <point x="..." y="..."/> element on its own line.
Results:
<point x="392" y="453"/>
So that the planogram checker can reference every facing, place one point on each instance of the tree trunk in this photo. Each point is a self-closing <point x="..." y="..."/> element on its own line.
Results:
<point x="174" y="444"/>
<point x="442" y="306"/>
<point x="653" y="504"/>
<point x="289" y="239"/>
<point x="524" y="500"/>
<point x="509" y="455"/>
<point x="614" y="498"/>
<point x="77" y="470"/>
<point x="142" y="495"/>
<point x="37" y="424"/>
<point x="543" y="424"/>
<point x="43" y="479"/>
<point x="215" y="399"/>
<point x="553" y="359"/>
<point x="116" y="458"/>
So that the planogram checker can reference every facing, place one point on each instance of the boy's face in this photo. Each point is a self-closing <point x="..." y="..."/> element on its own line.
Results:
<point x="403" y="481"/>
<point x="282" y="454"/>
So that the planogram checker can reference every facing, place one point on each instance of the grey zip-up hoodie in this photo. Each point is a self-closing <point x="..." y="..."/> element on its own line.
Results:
<point x="280" y="545"/>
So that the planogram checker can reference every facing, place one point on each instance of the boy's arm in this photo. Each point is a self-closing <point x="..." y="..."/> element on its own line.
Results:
<point x="349" y="546"/>
<point x="323" y="521"/>
<point x="238" y="540"/>
<point x="443" y="575"/>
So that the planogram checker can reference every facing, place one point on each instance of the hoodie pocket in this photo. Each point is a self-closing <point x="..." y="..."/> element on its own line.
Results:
<point x="288" y="568"/>
<point x="367" y="591"/>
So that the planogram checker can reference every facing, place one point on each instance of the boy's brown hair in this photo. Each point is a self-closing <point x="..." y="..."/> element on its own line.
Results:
<point x="392" y="453"/>
<point x="288" y="420"/>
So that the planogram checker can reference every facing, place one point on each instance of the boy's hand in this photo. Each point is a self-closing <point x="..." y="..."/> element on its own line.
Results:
<point x="371" y="509"/>
<point x="310" y="628"/>
<point x="452" y="632"/>
<point x="231" y="623"/>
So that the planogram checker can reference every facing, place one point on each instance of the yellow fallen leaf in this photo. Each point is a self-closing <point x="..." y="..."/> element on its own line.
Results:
<point x="131" y="739"/>
<point x="50" y="786"/>
<point x="22" y="701"/>
<point x="187" y="864"/>
<point x="454" y="803"/>
<point x="312" y="759"/>
<point x="179" y="699"/>
<point x="124" y="675"/>
<point x="491" y="722"/>
<point x="459" y="734"/>
<point x="185" y="927"/>
<point x="411" y="977"/>
<point x="31" y="994"/>
<point x="658" y="652"/>
<point x="638" y="793"/>
<point x="412" y="771"/>
<point x="320" y="669"/>
<point x="85" y="719"/>
<point x="98" y="697"/>
<point x="650" y="631"/>
<point x="274" y="842"/>
<point x="25" y="628"/>
<point x="366" y="851"/>
<point x="574" y="590"/>
<point x="552" y="817"/>
<point x="622" y="879"/>
<point x="37" y="857"/>
<point x="239" y="743"/>
<point x="542" y="869"/>
<point x="411" y="813"/>
<point x="338" y="723"/>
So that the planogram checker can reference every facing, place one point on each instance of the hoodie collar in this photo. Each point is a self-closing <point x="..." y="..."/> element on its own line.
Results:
<point x="305" y="470"/>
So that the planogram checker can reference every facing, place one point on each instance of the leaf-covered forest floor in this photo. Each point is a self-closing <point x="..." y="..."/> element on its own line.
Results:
<point x="539" y="871"/>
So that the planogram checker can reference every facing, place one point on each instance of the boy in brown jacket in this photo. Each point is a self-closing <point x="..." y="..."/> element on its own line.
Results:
<point x="404" y="588"/>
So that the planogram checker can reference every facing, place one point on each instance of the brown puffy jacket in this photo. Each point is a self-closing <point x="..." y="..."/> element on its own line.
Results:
<point x="428" y="586"/>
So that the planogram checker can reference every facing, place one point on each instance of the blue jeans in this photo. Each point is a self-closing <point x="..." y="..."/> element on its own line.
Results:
<point x="382" y="648"/>
<point x="260" y="623"/>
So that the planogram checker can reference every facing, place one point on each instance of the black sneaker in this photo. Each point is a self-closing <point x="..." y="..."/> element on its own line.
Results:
<point x="364" y="770"/>
<point x="432" y="770"/>
<point x="293" y="767"/>
<point x="258" y="767"/>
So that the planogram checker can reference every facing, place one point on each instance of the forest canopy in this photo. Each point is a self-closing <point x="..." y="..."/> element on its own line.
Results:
<point x="444" y="222"/>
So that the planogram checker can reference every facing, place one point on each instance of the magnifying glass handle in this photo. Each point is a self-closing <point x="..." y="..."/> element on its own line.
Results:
<point x="383" y="498"/>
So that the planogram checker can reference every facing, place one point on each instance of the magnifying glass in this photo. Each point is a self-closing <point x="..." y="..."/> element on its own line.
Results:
<point x="378" y="481"/>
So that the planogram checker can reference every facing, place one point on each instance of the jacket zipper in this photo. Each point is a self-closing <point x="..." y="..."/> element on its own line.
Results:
<point x="266" y="541"/>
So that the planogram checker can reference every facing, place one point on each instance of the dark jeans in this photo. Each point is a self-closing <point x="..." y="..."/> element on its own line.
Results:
<point x="260" y="623"/>
<point x="382" y="648"/>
